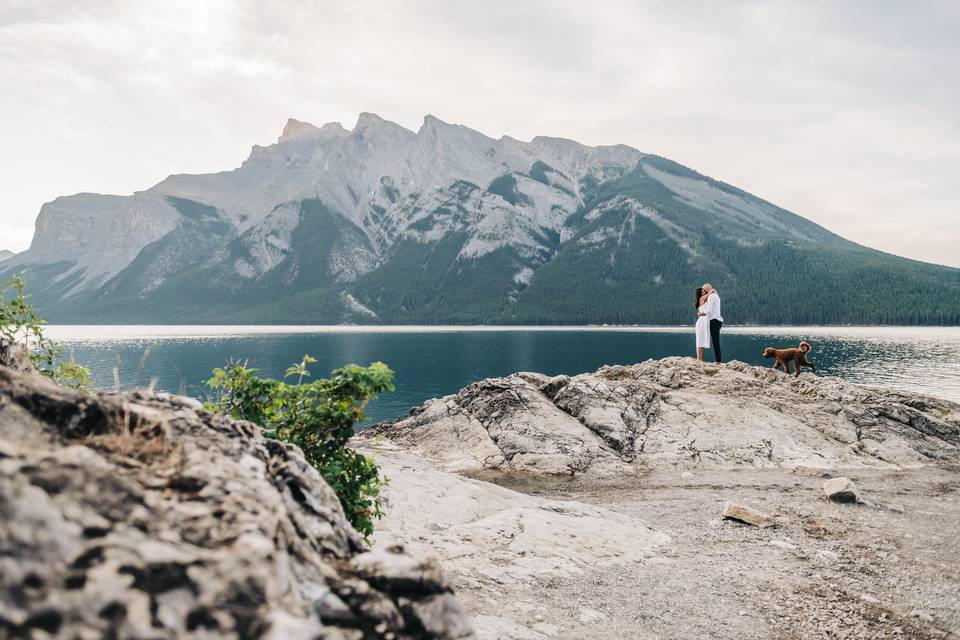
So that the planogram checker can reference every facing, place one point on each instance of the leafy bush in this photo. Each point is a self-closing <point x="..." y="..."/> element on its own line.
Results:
<point x="20" y="324"/>
<point x="317" y="416"/>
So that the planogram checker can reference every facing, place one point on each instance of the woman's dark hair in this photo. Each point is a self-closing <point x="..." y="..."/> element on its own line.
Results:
<point x="697" y="295"/>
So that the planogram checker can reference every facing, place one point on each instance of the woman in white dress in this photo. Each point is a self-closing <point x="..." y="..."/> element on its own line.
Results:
<point x="703" y="324"/>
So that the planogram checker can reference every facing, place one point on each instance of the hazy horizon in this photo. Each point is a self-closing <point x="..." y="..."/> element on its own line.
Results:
<point x="839" y="112"/>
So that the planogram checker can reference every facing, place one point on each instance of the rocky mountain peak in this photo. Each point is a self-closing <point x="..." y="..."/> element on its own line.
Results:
<point x="432" y="123"/>
<point x="371" y="122"/>
<point x="298" y="130"/>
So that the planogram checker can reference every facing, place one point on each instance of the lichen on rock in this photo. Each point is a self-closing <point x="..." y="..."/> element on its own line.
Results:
<point x="142" y="515"/>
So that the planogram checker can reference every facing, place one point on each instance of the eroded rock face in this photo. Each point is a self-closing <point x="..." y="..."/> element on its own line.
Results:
<point x="141" y="515"/>
<point x="675" y="412"/>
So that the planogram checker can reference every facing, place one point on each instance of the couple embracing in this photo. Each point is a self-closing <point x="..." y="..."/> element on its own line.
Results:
<point x="709" y="320"/>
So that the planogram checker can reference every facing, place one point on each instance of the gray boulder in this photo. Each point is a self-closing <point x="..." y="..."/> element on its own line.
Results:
<point x="841" y="490"/>
<point x="140" y="515"/>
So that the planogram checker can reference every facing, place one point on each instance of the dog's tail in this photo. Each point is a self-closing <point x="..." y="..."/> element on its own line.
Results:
<point x="804" y="346"/>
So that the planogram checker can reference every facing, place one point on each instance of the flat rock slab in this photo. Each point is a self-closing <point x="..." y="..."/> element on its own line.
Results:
<point x="492" y="533"/>
<point x="841" y="490"/>
<point x="741" y="513"/>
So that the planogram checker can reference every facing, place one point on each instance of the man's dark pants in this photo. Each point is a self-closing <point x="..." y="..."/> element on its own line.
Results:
<point x="715" y="326"/>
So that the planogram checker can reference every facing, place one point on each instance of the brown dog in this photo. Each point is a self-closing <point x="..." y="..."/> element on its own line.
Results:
<point x="796" y="355"/>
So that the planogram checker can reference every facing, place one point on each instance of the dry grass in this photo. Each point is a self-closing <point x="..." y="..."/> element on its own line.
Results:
<point x="135" y="440"/>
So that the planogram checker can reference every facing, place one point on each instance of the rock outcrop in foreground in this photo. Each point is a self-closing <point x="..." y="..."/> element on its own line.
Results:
<point x="675" y="412"/>
<point x="140" y="515"/>
<point x="677" y="499"/>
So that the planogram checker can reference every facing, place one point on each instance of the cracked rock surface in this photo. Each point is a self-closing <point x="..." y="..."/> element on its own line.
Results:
<point x="139" y="515"/>
<point x="674" y="413"/>
<point x="590" y="507"/>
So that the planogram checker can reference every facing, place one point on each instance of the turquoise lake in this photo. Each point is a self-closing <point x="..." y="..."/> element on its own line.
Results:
<point x="435" y="361"/>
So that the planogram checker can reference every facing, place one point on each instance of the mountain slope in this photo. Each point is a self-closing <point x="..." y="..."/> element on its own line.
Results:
<point x="385" y="225"/>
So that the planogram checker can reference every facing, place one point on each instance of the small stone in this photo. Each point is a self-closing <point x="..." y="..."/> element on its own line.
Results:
<point x="841" y="490"/>
<point x="896" y="508"/>
<point x="809" y="471"/>
<point x="733" y="511"/>
<point x="686" y="474"/>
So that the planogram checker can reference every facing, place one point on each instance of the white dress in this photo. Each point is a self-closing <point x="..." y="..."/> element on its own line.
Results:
<point x="703" y="329"/>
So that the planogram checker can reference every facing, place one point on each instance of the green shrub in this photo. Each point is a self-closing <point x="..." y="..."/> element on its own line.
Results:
<point x="20" y="324"/>
<point x="317" y="416"/>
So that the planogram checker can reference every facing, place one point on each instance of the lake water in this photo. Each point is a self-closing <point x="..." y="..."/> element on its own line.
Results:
<point x="435" y="361"/>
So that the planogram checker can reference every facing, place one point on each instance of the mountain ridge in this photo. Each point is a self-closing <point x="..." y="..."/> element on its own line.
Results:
<point x="448" y="225"/>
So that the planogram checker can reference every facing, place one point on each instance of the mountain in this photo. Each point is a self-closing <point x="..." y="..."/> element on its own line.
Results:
<point x="6" y="254"/>
<point x="380" y="224"/>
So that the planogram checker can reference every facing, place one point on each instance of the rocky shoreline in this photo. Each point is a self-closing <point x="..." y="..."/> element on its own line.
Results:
<point x="668" y="499"/>
<point x="593" y="506"/>
<point x="672" y="413"/>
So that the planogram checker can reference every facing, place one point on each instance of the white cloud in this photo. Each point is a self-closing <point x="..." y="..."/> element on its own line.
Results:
<point x="844" y="113"/>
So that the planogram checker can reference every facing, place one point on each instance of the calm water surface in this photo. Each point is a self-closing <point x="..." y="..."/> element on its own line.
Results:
<point x="436" y="361"/>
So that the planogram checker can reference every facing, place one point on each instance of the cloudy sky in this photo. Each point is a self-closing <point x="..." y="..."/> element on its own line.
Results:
<point x="844" y="112"/>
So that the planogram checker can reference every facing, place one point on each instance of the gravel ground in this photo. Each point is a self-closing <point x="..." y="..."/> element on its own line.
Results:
<point x="887" y="569"/>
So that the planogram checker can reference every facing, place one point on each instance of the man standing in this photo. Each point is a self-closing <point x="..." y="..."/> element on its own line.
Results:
<point x="713" y="315"/>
